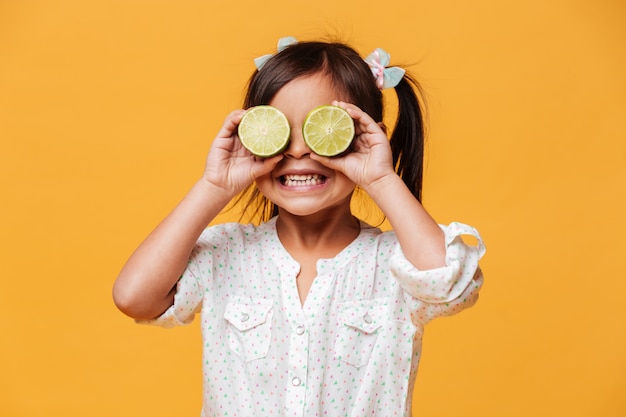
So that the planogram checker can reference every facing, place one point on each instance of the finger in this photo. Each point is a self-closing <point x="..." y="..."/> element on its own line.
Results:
<point x="230" y="124"/>
<point x="335" y="163"/>
<point x="363" y="121"/>
<point x="263" y="166"/>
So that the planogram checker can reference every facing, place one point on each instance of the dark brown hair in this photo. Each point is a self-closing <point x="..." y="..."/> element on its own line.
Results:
<point x="352" y="77"/>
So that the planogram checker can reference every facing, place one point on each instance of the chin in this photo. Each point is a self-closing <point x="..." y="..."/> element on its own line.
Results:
<point x="298" y="211"/>
<point x="314" y="208"/>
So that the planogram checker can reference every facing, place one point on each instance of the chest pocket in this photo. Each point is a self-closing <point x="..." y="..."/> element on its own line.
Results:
<point x="250" y="329"/>
<point x="357" y="334"/>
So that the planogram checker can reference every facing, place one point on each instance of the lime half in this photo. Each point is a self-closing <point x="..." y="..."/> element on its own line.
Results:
<point x="328" y="130"/>
<point x="264" y="131"/>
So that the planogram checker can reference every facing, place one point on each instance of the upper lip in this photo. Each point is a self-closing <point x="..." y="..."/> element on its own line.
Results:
<point x="301" y="170"/>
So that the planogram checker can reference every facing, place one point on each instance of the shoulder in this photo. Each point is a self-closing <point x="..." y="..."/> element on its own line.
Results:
<point x="373" y="238"/>
<point x="235" y="233"/>
<point x="451" y="231"/>
<point x="376" y="234"/>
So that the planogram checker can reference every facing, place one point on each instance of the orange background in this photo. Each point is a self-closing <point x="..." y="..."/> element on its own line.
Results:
<point x="107" y="110"/>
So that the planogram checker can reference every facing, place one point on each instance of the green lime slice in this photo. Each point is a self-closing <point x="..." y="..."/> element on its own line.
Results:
<point x="328" y="130"/>
<point x="264" y="131"/>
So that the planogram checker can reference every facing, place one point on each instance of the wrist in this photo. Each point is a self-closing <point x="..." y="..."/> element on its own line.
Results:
<point x="383" y="185"/>
<point x="203" y="203"/>
<point x="213" y="193"/>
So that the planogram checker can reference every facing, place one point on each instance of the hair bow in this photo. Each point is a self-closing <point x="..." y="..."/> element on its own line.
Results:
<point x="386" y="77"/>
<point x="282" y="44"/>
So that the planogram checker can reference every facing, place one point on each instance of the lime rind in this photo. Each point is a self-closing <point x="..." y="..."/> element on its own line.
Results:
<point x="264" y="131"/>
<point x="328" y="130"/>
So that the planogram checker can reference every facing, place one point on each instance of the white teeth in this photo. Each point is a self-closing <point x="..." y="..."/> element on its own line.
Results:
<point x="295" y="180"/>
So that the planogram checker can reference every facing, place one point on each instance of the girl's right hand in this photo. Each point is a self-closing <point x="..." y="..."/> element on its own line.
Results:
<point x="145" y="287"/>
<point x="229" y="165"/>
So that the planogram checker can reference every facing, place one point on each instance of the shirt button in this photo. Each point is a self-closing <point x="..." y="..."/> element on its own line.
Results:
<point x="367" y="318"/>
<point x="244" y="317"/>
<point x="300" y="330"/>
<point x="296" y="382"/>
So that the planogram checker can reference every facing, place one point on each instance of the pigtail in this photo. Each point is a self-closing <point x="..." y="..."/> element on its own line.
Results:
<point x="407" y="140"/>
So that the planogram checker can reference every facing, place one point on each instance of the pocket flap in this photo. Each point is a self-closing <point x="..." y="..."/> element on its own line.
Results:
<point x="246" y="314"/>
<point x="366" y="316"/>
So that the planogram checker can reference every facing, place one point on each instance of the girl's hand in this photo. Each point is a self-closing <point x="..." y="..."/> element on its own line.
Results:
<point x="229" y="165"/>
<point x="369" y="160"/>
<point x="370" y="166"/>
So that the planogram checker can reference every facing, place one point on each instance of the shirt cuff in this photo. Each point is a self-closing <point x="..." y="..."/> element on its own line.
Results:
<point x="442" y="285"/>
<point x="187" y="302"/>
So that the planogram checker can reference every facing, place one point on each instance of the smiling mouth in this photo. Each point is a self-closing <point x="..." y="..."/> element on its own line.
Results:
<point x="302" y="180"/>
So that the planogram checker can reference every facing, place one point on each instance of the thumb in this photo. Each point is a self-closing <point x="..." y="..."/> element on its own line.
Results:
<point x="336" y="163"/>
<point x="263" y="166"/>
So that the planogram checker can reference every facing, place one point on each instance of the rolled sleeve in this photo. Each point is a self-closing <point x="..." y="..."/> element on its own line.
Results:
<point x="460" y="275"/>
<point x="187" y="301"/>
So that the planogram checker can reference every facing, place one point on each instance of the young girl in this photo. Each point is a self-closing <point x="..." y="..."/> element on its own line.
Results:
<point x="312" y="312"/>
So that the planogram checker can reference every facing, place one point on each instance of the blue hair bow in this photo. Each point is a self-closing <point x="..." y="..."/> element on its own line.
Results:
<point x="282" y="44"/>
<point x="386" y="77"/>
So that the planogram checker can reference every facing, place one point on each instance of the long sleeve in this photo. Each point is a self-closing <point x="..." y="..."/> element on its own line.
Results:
<point x="451" y="288"/>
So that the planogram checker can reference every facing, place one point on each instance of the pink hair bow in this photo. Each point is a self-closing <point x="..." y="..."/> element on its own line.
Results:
<point x="386" y="77"/>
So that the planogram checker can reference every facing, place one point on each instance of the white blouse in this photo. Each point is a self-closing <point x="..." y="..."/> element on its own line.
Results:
<point x="352" y="349"/>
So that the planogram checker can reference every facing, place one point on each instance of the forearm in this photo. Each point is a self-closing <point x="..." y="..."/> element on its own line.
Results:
<point x="145" y="287"/>
<point x="421" y="239"/>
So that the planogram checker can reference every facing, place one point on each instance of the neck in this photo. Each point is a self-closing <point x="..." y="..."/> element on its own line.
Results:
<point x="322" y="234"/>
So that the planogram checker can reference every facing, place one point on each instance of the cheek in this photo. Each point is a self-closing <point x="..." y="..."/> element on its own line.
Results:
<point x="344" y="183"/>
<point x="267" y="185"/>
<point x="342" y="179"/>
<point x="264" y="183"/>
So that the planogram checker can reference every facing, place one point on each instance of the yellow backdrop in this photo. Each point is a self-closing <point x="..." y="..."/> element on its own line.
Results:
<point x="107" y="110"/>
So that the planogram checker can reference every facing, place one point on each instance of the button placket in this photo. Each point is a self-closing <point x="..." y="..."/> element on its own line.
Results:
<point x="298" y="361"/>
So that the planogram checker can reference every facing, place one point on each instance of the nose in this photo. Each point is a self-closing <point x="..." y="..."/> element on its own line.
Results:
<point x="297" y="147"/>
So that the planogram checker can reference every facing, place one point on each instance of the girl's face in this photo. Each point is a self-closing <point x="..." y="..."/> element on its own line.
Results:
<point x="298" y="184"/>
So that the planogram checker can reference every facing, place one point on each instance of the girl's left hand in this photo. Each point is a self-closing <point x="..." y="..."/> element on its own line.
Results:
<point x="369" y="159"/>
